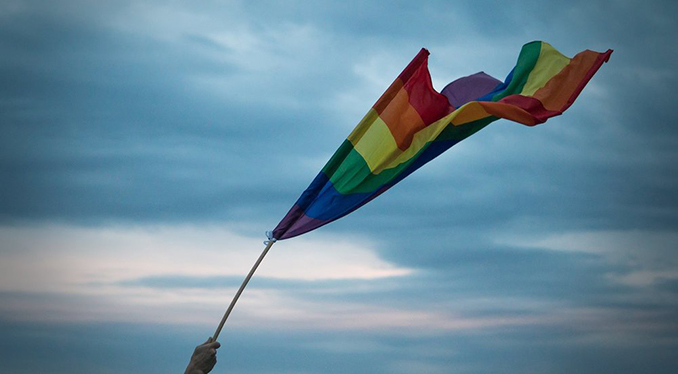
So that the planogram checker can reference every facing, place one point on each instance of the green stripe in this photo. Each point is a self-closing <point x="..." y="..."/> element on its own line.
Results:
<point x="526" y="61"/>
<point x="338" y="158"/>
<point x="349" y="173"/>
<point x="355" y="176"/>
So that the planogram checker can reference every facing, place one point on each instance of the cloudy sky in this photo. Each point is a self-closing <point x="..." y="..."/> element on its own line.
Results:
<point x="145" y="147"/>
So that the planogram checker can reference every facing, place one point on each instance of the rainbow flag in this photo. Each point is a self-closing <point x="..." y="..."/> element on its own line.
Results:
<point x="412" y="123"/>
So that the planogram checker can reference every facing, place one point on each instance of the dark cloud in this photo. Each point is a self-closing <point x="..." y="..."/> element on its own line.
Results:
<point x="103" y="124"/>
<point x="96" y="347"/>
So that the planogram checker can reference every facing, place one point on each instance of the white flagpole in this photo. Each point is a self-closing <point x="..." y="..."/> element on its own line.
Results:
<point x="269" y="243"/>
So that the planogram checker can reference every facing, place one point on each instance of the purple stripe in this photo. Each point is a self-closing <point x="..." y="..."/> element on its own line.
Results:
<point x="469" y="88"/>
<point x="296" y="223"/>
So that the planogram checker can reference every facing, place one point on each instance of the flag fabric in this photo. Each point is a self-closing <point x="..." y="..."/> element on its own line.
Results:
<point x="412" y="123"/>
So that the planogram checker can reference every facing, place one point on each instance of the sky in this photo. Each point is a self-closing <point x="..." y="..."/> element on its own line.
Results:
<point x="146" y="146"/>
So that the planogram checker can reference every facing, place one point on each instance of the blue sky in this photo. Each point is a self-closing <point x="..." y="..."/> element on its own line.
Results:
<point x="147" y="145"/>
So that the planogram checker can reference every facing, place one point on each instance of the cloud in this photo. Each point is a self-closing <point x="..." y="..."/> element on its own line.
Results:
<point x="648" y="258"/>
<point x="608" y="242"/>
<point x="162" y="113"/>
<point x="90" y="255"/>
<point x="176" y="274"/>
<point x="120" y="273"/>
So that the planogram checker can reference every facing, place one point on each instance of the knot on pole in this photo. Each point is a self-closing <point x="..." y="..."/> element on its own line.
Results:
<point x="271" y="239"/>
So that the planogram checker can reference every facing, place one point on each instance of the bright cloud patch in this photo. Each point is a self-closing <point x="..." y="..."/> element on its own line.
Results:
<point x="125" y="274"/>
<point x="59" y="256"/>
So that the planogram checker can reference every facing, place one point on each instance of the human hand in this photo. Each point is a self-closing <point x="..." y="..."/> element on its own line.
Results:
<point x="204" y="358"/>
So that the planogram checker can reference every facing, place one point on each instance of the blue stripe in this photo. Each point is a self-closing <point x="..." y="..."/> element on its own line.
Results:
<point x="501" y="87"/>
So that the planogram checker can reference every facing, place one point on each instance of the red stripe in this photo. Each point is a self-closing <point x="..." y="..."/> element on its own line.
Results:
<point x="531" y="105"/>
<point x="430" y="104"/>
<point x="420" y="58"/>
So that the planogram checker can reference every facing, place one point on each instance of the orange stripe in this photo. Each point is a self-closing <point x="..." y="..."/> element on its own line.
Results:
<point x="402" y="119"/>
<point x="386" y="98"/>
<point x="555" y="94"/>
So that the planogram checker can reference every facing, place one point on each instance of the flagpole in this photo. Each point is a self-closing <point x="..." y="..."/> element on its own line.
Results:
<point x="269" y="243"/>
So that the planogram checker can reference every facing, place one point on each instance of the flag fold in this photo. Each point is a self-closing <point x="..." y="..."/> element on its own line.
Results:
<point x="412" y="123"/>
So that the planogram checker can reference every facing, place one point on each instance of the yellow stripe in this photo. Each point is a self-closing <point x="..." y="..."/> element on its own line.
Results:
<point x="550" y="63"/>
<point x="468" y="112"/>
<point x="363" y="126"/>
<point x="376" y="144"/>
